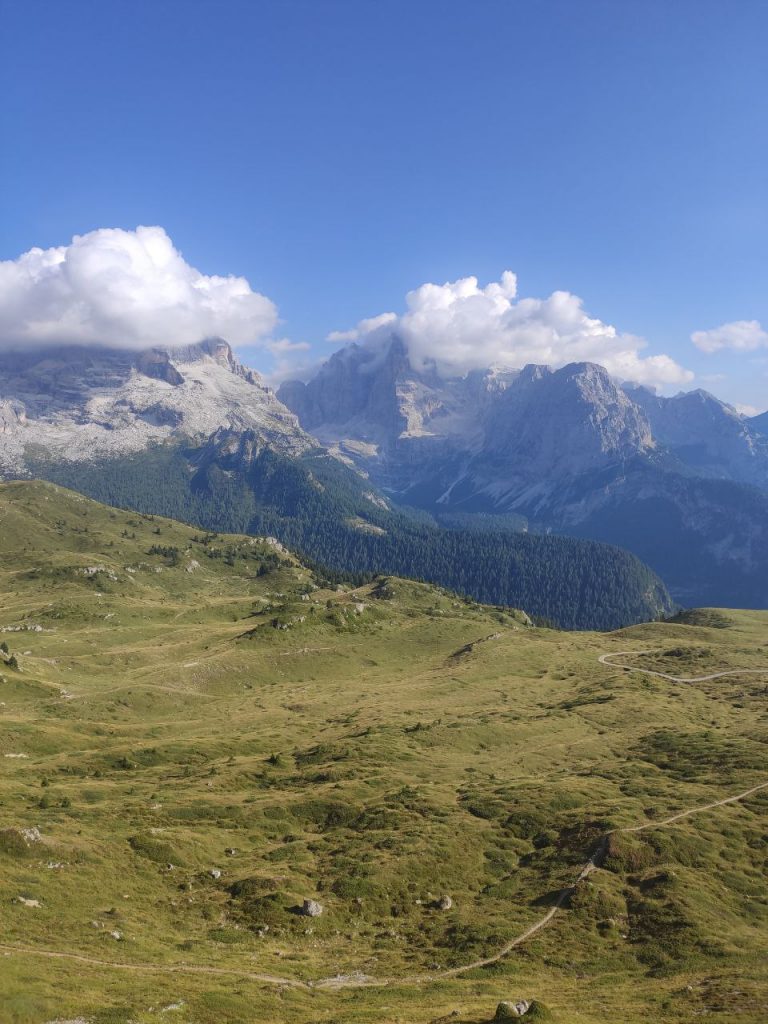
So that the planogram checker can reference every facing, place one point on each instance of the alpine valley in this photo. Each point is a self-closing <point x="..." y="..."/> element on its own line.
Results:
<point x="497" y="484"/>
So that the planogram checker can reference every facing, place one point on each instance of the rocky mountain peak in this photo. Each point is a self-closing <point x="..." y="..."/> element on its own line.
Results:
<point x="706" y="434"/>
<point x="83" y="403"/>
<point x="567" y="417"/>
<point x="358" y="383"/>
<point x="530" y="373"/>
<point x="216" y="349"/>
<point x="157" y="363"/>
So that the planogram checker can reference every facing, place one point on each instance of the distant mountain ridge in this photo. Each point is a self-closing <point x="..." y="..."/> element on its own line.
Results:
<point x="760" y="423"/>
<point x="370" y="402"/>
<point x="707" y="435"/>
<point x="570" y="449"/>
<point x="76" y="403"/>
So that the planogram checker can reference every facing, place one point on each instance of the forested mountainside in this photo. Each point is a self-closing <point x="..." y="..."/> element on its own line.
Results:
<point x="326" y="512"/>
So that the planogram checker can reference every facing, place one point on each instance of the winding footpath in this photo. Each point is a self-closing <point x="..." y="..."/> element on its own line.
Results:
<point x="359" y="980"/>
<point x="606" y="659"/>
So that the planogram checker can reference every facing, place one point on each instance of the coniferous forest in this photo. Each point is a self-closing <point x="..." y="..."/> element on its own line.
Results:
<point x="326" y="513"/>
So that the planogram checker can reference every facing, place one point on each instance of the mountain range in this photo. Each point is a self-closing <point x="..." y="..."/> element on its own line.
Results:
<point x="188" y="432"/>
<point x="496" y="483"/>
<point x="681" y="481"/>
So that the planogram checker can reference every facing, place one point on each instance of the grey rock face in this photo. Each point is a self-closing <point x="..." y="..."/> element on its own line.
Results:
<point x="156" y="363"/>
<point x="759" y="424"/>
<point x="499" y="433"/>
<point x="80" y="404"/>
<point x="311" y="908"/>
<point x="562" y="423"/>
<point x="504" y="439"/>
<point x="357" y="384"/>
<point x="507" y="1010"/>
<point x="374" y="395"/>
<point x="708" y="436"/>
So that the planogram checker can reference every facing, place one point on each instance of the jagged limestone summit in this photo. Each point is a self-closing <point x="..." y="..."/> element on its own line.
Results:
<point x="681" y="481"/>
<point x="74" y="404"/>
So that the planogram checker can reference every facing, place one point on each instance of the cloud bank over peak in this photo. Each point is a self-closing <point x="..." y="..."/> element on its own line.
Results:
<point x="460" y="326"/>
<point x="126" y="289"/>
<point x="364" y="328"/>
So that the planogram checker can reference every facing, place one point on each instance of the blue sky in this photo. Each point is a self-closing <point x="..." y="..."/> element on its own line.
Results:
<point x="340" y="153"/>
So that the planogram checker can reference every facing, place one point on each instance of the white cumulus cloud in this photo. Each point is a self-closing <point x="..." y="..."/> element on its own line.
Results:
<point x="364" y="328"/>
<point x="747" y="410"/>
<point x="739" y="336"/>
<point x="128" y="289"/>
<point x="282" y="345"/>
<point x="460" y="326"/>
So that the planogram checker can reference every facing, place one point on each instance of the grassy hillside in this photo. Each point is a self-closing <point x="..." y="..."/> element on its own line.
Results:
<point x="198" y="735"/>
<point x="319" y="507"/>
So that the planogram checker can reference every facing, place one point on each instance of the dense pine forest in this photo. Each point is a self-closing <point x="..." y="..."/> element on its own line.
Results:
<point x="328" y="514"/>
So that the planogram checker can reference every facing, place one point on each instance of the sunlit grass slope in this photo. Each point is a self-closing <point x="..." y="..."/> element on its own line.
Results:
<point x="205" y="735"/>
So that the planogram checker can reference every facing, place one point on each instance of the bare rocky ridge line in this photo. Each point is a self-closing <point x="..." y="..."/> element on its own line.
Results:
<point x="79" y="404"/>
<point x="369" y="404"/>
<point x="359" y="980"/>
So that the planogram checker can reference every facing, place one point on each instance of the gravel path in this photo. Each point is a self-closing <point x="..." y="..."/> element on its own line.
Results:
<point x="358" y="980"/>
<point x="605" y="659"/>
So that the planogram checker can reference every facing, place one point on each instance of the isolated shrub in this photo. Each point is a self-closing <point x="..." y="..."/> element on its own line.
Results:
<point x="326" y="814"/>
<point x="271" y="910"/>
<point x="626" y="855"/>
<point x="154" y="849"/>
<point x="538" y="1012"/>
<point x="253" y="887"/>
<point x="12" y="843"/>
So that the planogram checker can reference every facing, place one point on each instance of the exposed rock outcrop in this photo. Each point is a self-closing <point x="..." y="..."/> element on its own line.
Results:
<point x="311" y="908"/>
<point x="84" y="403"/>
<point x="511" y="1010"/>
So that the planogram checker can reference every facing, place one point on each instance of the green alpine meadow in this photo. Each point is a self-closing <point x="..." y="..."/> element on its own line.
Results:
<point x="383" y="512"/>
<point x="236" y="787"/>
